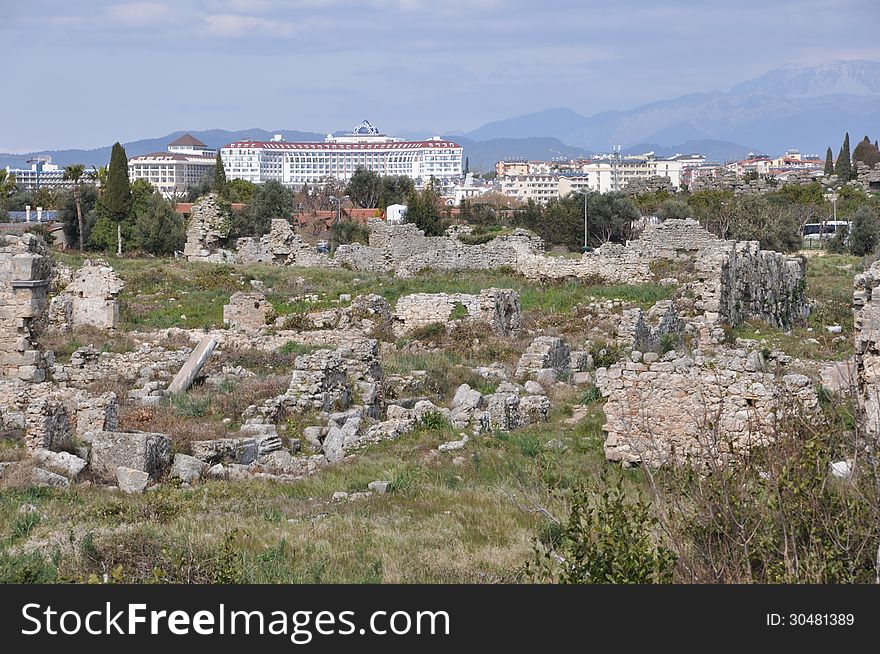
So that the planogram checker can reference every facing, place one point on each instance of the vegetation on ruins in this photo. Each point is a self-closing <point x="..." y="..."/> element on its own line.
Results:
<point x="539" y="503"/>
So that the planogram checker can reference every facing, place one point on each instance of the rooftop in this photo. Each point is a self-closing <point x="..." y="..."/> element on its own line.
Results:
<point x="188" y="140"/>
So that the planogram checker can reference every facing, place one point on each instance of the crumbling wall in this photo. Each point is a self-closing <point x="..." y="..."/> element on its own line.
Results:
<point x="866" y="314"/>
<point x="25" y="269"/>
<point x="499" y="308"/>
<point x="679" y="409"/>
<point x="91" y="299"/>
<point x="248" y="312"/>
<point x="207" y="231"/>
<point x="281" y="246"/>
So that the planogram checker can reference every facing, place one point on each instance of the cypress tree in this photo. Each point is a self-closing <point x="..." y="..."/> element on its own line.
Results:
<point x="843" y="167"/>
<point x="219" y="186"/>
<point x="829" y="162"/>
<point x="116" y="199"/>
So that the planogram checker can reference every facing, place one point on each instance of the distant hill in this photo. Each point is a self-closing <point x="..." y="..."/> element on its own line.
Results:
<point x="808" y="107"/>
<point x="214" y="138"/>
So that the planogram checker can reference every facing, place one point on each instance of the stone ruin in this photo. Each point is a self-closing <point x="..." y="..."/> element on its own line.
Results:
<point x="496" y="307"/>
<point x="25" y="270"/>
<point x="680" y="409"/>
<point x="90" y="299"/>
<point x="281" y="247"/>
<point x="248" y="312"/>
<point x="207" y="231"/>
<point x="731" y="281"/>
<point x="866" y="314"/>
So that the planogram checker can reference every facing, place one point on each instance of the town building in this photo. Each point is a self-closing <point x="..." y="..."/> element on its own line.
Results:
<point x="43" y="174"/>
<point x="296" y="164"/>
<point x="187" y="163"/>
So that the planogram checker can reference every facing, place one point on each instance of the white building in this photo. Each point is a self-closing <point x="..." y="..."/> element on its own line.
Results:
<point x="295" y="164"/>
<point x="395" y="213"/>
<point x="188" y="162"/>
<point x="44" y="174"/>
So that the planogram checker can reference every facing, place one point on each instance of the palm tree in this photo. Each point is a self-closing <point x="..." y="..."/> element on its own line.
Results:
<point x="7" y="184"/>
<point x="7" y="188"/>
<point x="74" y="173"/>
<point x="100" y="175"/>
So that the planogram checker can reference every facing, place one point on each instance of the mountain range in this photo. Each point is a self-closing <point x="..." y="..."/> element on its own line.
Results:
<point x="807" y="107"/>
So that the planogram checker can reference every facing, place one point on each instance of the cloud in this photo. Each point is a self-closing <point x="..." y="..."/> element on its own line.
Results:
<point x="139" y="14"/>
<point x="233" y="25"/>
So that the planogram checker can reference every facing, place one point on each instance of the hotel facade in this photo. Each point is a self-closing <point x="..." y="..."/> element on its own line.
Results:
<point x="295" y="164"/>
<point x="187" y="163"/>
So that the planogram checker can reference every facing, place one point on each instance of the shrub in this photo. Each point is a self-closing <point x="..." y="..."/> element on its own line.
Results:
<point x="606" y="539"/>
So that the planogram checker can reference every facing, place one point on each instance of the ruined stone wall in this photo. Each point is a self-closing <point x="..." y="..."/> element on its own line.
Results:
<point x="499" y="308"/>
<point x="247" y="312"/>
<point x="678" y="409"/>
<point x="25" y="269"/>
<point x="90" y="299"/>
<point x="866" y="315"/>
<point x="207" y="230"/>
<point x="283" y="247"/>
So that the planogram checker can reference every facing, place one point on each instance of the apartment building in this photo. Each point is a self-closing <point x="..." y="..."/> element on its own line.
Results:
<point x="186" y="163"/>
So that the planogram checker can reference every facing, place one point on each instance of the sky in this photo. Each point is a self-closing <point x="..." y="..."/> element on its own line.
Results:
<point x="91" y="72"/>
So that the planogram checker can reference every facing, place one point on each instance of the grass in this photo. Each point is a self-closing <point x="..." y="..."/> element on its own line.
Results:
<point x="445" y="520"/>
<point x="162" y="293"/>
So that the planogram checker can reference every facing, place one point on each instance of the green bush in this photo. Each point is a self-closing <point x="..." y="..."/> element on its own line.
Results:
<point x="606" y="539"/>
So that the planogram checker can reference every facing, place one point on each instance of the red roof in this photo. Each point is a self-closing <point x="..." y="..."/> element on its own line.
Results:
<point x="315" y="145"/>
<point x="188" y="140"/>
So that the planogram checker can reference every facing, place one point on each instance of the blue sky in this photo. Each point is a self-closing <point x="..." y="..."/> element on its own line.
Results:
<point x="420" y="65"/>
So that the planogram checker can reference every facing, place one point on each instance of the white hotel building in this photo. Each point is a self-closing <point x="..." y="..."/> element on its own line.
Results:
<point x="188" y="162"/>
<point x="295" y="164"/>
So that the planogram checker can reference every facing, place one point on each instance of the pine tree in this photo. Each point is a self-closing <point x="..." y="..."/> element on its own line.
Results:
<point x="219" y="186"/>
<point x="843" y="167"/>
<point x="116" y="199"/>
<point x="467" y="165"/>
<point x="829" y="162"/>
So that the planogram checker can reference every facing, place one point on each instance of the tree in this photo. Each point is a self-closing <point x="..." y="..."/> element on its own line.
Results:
<point x="7" y="188"/>
<point x="219" y="186"/>
<point x="843" y="167"/>
<point x="467" y="165"/>
<point x="829" y="162"/>
<point x="865" y="233"/>
<point x="422" y="211"/>
<point x="74" y="173"/>
<point x="395" y="190"/>
<point x="157" y="227"/>
<point x="271" y="201"/>
<point x="867" y="153"/>
<point x="675" y="210"/>
<point x="241" y="190"/>
<point x="364" y="188"/>
<point x="78" y="217"/>
<point x="116" y="199"/>
<point x="349" y="231"/>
